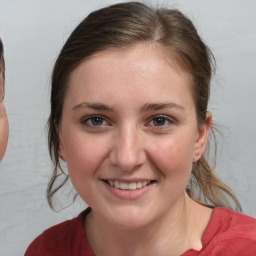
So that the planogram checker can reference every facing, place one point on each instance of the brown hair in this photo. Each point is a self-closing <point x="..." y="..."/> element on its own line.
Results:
<point x="123" y="25"/>
<point x="2" y="71"/>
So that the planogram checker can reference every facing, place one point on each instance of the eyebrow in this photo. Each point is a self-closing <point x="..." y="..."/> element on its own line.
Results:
<point x="95" y="106"/>
<point x="146" y="107"/>
<point x="158" y="106"/>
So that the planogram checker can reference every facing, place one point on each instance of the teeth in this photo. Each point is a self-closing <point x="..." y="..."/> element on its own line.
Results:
<point x="139" y="184"/>
<point x="132" y="186"/>
<point x="116" y="184"/>
<point x="128" y="186"/>
<point x="124" y="185"/>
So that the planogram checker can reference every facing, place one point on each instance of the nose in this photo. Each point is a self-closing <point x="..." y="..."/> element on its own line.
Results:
<point x="128" y="151"/>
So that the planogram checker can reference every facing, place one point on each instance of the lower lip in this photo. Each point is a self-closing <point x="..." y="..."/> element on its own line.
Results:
<point x="128" y="194"/>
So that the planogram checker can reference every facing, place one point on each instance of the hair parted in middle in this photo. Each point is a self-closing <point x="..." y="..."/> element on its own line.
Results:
<point x="124" y="25"/>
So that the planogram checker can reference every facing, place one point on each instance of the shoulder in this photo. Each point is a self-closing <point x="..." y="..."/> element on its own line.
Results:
<point x="230" y="233"/>
<point x="235" y="223"/>
<point x="62" y="239"/>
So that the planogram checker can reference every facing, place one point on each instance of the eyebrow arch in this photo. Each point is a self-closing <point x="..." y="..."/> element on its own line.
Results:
<point x="157" y="106"/>
<point x="95" y="106"/>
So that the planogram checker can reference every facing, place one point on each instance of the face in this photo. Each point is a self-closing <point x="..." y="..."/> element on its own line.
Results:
<point x="4" y="127"/>
<point x="129" y="135"/>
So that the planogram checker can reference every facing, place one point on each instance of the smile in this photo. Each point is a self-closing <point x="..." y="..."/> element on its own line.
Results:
<point x="129" y="190"/>
<point x="128" y="186"/>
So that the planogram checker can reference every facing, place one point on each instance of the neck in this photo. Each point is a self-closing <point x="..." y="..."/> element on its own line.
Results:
<point x="172" y="234"/>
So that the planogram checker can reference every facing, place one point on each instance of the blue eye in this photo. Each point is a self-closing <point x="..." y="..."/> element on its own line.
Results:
<point x="94" y="121"/>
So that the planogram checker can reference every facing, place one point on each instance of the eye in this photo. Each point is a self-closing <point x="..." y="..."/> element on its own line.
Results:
<point x="160" y="121"/>
<point x="95" y="121"/>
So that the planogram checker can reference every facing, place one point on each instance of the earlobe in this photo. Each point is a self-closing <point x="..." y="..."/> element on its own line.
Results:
<point x="202" y="136"/>
<point x="62" y="154"/>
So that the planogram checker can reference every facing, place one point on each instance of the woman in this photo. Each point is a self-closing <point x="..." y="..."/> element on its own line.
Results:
<point x="129" y="117"/>
<point x="4" y="128"/>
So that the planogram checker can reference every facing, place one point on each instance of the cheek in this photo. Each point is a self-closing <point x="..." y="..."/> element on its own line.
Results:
<point x="173" y="156"/>
<point x="84" y="154"/>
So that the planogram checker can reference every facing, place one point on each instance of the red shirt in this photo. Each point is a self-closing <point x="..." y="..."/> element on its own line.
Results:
<point x="227" y="234"/>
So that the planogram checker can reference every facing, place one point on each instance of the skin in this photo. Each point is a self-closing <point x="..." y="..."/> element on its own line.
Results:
<point x="4" y="126"/>
<point x="146" y="130"/>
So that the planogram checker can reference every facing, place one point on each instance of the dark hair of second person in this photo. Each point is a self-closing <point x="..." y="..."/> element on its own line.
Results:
<point x="4" y="126"/>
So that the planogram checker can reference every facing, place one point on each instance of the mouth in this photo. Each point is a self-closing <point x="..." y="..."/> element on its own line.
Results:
<point x="129" y="185"/>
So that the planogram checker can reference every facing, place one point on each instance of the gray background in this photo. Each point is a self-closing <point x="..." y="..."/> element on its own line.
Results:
<point x="34" y="31"/>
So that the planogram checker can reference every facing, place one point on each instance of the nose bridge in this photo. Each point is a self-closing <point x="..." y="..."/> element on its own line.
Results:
<point x="128" y="150"/>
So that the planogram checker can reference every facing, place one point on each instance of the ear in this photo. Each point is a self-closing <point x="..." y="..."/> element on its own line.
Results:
<point x="61" y="147"/>
<point x="4" y="130"/>
<point x="201" y="139"/>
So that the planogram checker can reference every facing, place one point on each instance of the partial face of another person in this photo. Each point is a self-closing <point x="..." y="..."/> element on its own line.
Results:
<point x="4" y="127"/>
<point x="129" y="134"/>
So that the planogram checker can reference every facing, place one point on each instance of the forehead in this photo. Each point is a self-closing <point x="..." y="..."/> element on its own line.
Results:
<point x="138" y="57"/>
<point x="139" y="69"/>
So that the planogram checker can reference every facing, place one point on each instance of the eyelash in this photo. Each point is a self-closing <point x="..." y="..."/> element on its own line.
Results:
<point x="163" y="118"/>
<point x="93" y="118"/>
<point x="103" y="119"/>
